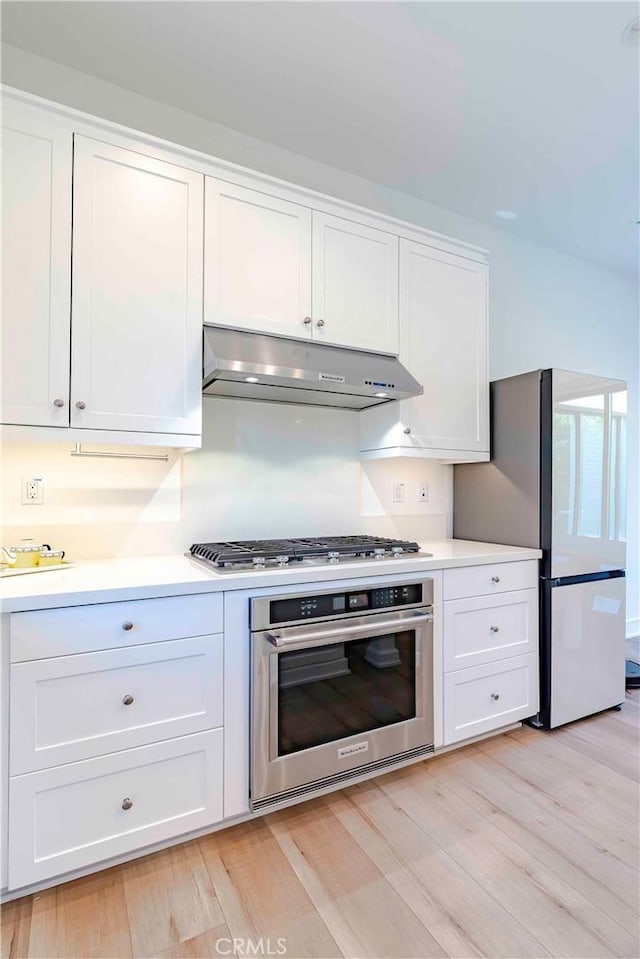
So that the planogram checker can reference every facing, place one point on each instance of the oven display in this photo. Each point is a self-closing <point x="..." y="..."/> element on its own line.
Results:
<point x="328" y="604"/>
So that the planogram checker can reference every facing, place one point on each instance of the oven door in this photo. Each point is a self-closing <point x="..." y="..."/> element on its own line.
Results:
<point x="331" y="698"/>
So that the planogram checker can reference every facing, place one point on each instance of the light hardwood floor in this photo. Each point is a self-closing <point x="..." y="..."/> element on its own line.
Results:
<point x="522" y="845"/>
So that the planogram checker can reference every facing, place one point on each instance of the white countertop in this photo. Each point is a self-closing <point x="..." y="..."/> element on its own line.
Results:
<point x="145" y="577"/>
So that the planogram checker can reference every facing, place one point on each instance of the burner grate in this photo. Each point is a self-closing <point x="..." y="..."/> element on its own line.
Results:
<point x="245" y="552"/>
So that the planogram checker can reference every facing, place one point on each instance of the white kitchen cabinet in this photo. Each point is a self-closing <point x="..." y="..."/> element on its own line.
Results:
<point x="81" y="813"/>
<point x="490" y="648"/>
<point x="443" y="342"/>
<point x="485" y="629"/>
<point x="70" y="708"/>
<point x="116" y="729"/>
<point x="483" y="698"/>
<point x="257" y="261"/>
<point x="136" y="348"/>
<point x="36" y="269"/>
<point x="43" y="633"/>
<point x="490" y="578"/>
<point x="355" y="285"/>
<point x="273" y="266"/>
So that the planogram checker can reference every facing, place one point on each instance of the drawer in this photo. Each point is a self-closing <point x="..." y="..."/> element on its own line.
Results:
<point x="484" y="629"/>
<point x="82" y="629"/>
<point x="75" y="707"/>
<point x="76" y="815"/>
<point x="490" y="579"/>
<point x="483" y="698"/>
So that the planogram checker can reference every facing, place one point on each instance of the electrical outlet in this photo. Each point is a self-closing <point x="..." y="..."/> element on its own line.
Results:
<point x="32" y="491"/>
<point x="423" y="493"/>
<point x="398" y="492"/>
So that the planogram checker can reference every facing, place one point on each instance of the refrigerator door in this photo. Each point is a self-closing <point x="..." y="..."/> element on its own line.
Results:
<point x="588" y="466"/>
<point x="587" y="648"/>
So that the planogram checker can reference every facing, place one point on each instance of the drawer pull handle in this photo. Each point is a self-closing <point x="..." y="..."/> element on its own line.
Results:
<point x="495" y="629"/>
<point x="127" y="700"/>
<point x="495" y="695"/>
<point x="127" y="803"/>
<point x="127" y="625"/>
<point x="495" y="579"/>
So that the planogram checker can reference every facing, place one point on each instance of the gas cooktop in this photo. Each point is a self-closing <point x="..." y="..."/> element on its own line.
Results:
<point x="311" y="551"/>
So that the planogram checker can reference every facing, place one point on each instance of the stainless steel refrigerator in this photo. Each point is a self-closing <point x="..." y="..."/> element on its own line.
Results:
<point x="557" y="481"/>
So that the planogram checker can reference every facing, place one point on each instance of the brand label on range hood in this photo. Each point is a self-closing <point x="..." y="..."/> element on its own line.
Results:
<point x="347" y="751"/>
<point x="331" y="377"/>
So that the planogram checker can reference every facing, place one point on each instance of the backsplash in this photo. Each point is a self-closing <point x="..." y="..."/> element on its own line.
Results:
<point x="264" y="470"/>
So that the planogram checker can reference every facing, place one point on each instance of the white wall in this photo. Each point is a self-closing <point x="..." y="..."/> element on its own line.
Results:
<point x="264" y="470"/>
<point x="546" y="309"/>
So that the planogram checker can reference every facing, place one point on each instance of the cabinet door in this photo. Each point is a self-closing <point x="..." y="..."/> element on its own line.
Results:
<point x="68" y="708"/>
<point x="480" y="699"/>
<point x="36" y="273"/>
<point x="137" y="292"/>
<point x="257" y="261"/>
<point x="76" y="815"/>
<point x="355" y="285"/>
<point x="443" y="323"/>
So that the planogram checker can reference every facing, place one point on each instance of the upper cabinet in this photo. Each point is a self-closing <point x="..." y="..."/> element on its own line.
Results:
<point x="443" y="324"/>
<point x="354" y="285"/>
<point x="104" y="298"/>
<point x="272" y="266"/>
<point x="257" y="261"/>
<point x="136" y="354"/>
<point x="36" y="274"/>
<point x="123" y="354"/>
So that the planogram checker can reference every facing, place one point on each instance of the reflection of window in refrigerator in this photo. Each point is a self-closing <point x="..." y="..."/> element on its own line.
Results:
<point x="590" y="474"/>
<point x="593" y="498"/>
<point x="564" y="470"/>
<point x="618" y="478"/>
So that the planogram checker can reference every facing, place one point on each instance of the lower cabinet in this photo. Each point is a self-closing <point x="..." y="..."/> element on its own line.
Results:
<point x="116" y="731"/>
<point x="78" y="707"/>
<point x="482" y="698"/>
<point x="82" y="813"/>
<point x="490" y="653"/>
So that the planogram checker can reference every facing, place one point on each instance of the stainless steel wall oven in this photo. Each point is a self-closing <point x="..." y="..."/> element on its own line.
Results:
<point x="342" y="683"/>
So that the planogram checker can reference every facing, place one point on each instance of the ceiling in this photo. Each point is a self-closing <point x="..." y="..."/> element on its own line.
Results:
<point x="530" y="107"/>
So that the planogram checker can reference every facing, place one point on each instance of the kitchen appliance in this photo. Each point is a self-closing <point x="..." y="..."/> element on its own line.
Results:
<point x="342" y="683"/>
<point x="557" y="481"/>
<point x="236" y="556"/>
<point x="260" y="367"/>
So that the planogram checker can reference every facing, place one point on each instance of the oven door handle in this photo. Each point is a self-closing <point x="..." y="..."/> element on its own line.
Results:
<point x="323" y="637"/>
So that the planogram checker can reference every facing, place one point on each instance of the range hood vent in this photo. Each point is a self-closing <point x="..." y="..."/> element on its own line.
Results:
<point x="259" y="367"/>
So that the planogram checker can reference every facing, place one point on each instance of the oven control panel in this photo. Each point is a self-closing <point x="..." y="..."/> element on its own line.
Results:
<point x="294" y="609"/>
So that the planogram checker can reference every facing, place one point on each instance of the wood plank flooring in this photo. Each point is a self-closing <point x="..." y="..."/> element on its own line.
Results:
<point x="522" y="845"/>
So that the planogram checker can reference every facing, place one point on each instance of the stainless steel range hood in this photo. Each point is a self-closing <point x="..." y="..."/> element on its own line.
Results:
<point x="258" y="367"/>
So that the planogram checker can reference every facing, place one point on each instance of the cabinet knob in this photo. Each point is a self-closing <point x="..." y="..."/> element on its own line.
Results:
<point x="127" y="700"/>
<point x="495" y="579"/>
<point x="80" y="405"/>
<point x="307" y="320"/>
<point x="58" y="403"/>
<point x="495" y="695"/>
<point x="127" y="625"/>
<point x="495" y="629"/>
<point x="320" y="323"/>
<point x="127" y="803"/>
<point x="407" y="430"/>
